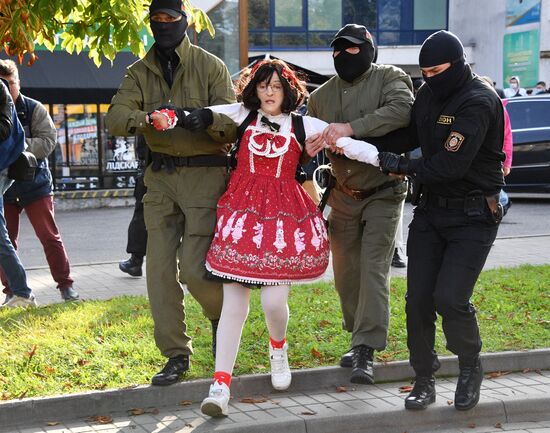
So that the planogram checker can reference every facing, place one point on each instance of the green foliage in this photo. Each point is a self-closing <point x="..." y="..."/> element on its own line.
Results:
<point x="68" y="348"/>
<point x="103" y="27"/>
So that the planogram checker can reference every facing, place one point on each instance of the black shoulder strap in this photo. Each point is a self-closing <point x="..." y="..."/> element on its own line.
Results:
<point x="299" y="130"/>
<point x="247" y="121"/>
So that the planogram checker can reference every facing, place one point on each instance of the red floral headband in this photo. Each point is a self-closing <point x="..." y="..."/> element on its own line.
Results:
<point x="286" y="73"/>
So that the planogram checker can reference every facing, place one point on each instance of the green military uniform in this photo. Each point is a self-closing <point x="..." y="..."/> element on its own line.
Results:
<point x="180" y="205"/>
<point x="366" y="204"/>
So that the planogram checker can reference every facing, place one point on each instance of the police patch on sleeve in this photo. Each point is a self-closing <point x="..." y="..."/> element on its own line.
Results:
<point x="454" y="141"/>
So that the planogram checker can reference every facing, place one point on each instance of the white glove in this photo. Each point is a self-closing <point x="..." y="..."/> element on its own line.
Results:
<point x="359" y="150"/>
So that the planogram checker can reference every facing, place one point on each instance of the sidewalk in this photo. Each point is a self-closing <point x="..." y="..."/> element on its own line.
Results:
<point x="319" y="400"/>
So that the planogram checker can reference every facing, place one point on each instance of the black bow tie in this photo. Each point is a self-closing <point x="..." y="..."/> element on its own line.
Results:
<point x="271" y="125"/>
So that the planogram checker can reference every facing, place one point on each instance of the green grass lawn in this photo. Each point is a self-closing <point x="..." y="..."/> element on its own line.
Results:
<point x="67" y="348"/>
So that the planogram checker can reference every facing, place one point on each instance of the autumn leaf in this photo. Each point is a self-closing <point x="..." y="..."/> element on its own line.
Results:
<point x="498" y="425"/>
<point x="186" y="403"/>
<point x="449" y="402"/>
<point x="52" y="423"/>
<point x="495" y="374"/>
<point x="405" y="388"/>
<point x="136" y="412"/>
<point x="341" y="389"/>
<point x="50" y="370"/>
<point x="23" y="394"/>
<point x="40" y="375"/>
<point x="472" y="425"/>
<point x="308" y="413"/>
<point x="32" y="352"/>
<point x="316" y="353"/>
<point x="260" y="366"/>
<point x="82" y="362"/>
<point x="251" y="400"/>
<point x="100" y="419"/>
<point x="324" y="323"/>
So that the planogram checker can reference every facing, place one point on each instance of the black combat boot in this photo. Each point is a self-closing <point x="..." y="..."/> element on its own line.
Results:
<point x="132" y="266"/>
<point x="422" y="394"/>
<point x="469" y="383"/>
<point x="172" y="371"/>
<point x="363" y="371"/>
<point x="214" y="333"/>
<point x="346" y="360"/>
<point x="397" y="261"/>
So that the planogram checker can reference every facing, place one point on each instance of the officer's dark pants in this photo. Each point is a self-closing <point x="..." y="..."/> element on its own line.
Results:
<point x="447" y="251"/>
<point x="137" y="233"/>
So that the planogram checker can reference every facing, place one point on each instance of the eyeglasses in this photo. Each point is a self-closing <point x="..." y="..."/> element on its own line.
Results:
<point x="275" y="88"/>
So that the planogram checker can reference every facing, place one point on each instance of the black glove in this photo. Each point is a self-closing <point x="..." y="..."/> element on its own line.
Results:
<point x="198" y="120"/>
<point x="393" y="163"/>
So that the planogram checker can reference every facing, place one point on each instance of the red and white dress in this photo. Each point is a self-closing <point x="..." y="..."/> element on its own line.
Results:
<point x="268" y="229"/>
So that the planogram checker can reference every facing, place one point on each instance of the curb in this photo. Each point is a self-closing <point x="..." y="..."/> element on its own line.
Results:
<point x="107" y="402"/>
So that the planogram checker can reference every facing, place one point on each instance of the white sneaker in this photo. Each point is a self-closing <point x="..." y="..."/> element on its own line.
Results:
<point x="8" y="297"/>
<point x="280" y="371"/>
<point x="217" y="402"/>
<point x="20" y="301"/>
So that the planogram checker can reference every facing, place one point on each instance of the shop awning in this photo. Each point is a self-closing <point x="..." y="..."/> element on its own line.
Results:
<point x="60" y="78"/>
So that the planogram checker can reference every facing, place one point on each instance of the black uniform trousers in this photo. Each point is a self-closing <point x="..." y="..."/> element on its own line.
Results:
<point x="137" y="233"/>
<point x="446" y="251"/>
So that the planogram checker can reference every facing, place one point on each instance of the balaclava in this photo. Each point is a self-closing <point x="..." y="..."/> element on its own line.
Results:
<point x="348" y="66"/>
<point x="168" y="35"/>
<point x="443" y="47"/>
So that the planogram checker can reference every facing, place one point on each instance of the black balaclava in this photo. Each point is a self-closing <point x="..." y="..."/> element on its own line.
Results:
<point x="443" y="47"/>
<point x="348" y="66"/>
<point x="169" y="35"/>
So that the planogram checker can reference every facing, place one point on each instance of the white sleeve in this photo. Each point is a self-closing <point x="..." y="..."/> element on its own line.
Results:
<point x="312" y="125"/>
<point x="359" y="150"/>
<point x="236" y="112"/>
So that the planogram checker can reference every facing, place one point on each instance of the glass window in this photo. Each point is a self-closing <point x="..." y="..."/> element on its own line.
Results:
<point x="389" y="17"/>
<point x="82" y="134"/>
<point x="528" y="114"/>
<point x="258" y="40"/>
<point x="324" y="14"/>
<point x="225" y="17"/>
<point x="288" y="13"/>
<point x="320" y="39"/>
<point x="289" y="40"/>
<point x="430" y="14"/>
<point x="361" y="12"/>
<point x="259" y="20"/>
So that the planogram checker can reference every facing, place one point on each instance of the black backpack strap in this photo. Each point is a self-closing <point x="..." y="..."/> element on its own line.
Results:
<point x="247" y="121"/>
<point x="299" y="130"/>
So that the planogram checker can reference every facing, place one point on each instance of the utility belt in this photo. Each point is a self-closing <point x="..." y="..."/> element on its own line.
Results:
<point x="473" y="204"/>
<point x="169" y="163"/>
<point x="362" y="194"/>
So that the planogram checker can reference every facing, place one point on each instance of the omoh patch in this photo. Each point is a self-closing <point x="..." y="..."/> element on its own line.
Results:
<point x="454" y="141"/>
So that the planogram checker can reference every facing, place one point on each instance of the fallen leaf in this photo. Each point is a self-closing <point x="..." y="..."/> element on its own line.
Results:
<point x="495" y="374"/>
<point x="82" y="362"/>
<point x="341" y="389"/>
<point x="449" y="402"/>
<point x="136" y="411"/>
<point x="52" y="423"/>
<point x="50" y="370"/>
<point x="23" y="394"/>
<point x="260" y="367"/>
<point x="323" y="323"/>
<point x="498" y="425"/>
<point x="186" y="403"/>
<point x="40" y="375"/>
<point x="405" y="388"/>
<point x="189" y="425"/>
<point x="472" y="425"/>
<point x="316" y="353"/>
<point x="251" y="400"/>
<point x="308" y="413"/>
<point x="100" y="419"/>
<point x="32" y="352"/>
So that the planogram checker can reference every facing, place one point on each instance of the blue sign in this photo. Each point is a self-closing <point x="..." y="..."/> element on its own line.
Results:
<point x="522" y="12"/>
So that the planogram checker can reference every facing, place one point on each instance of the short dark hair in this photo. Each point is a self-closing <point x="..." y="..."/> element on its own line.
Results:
<point x="541" y="83"/>
<point x="294" y="89"/>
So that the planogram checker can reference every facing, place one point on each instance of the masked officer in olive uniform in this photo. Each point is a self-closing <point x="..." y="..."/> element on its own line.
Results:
<point x="457" y="120"/>
<point x="363" y="100"/>
<point x="187" y="176"/>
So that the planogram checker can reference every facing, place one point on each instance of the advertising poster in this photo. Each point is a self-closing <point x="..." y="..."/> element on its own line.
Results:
<point x="521" y="57"/>
<point x="522" y="12"/>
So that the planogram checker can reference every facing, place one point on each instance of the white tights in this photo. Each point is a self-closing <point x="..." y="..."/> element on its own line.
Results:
<point x="236" y="300"/>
